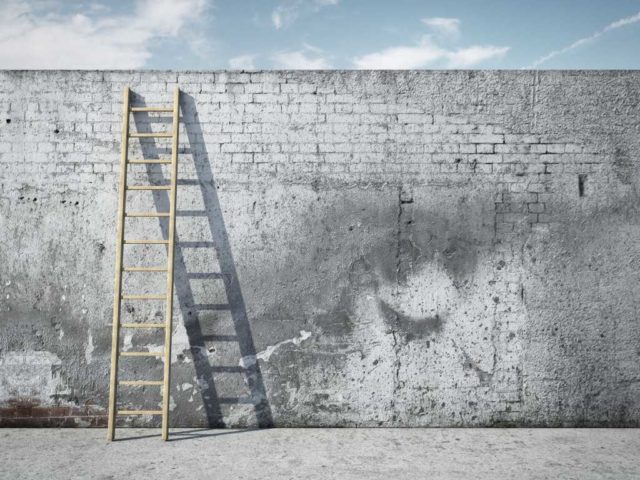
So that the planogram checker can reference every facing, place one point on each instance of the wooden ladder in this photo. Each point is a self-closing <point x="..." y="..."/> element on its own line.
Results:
<point x="121" y="242"/>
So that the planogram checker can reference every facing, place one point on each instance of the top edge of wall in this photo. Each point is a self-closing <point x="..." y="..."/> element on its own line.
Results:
<point x="326" y="71"/>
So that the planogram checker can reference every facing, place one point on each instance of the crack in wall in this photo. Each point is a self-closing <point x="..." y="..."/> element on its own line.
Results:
<point x="403" y="267"/>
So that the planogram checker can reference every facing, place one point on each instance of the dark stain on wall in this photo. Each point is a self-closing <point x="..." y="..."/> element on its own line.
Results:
<point x="623" y="165"/>
<point x="410" y="327"/>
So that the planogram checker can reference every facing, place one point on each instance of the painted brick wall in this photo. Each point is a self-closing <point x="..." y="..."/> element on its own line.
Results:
<point x="355" y="248"/>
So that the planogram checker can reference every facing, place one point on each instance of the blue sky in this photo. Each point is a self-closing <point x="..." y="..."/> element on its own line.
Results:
<point x="319" y="34"/>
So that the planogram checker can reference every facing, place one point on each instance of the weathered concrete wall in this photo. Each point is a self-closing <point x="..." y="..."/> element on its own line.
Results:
<point x="355" y="248"/>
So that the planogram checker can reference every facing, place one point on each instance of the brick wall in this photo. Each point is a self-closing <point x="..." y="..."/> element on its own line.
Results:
<point x="355" y="248"/>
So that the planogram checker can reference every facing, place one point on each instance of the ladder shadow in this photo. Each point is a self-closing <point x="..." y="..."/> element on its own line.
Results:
<point x="219" y="242"/>
<point x="205" y="433"/>
<point x="193" y="434"/>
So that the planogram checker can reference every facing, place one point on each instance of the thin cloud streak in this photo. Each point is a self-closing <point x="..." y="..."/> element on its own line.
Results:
<point x="583" y="41"/>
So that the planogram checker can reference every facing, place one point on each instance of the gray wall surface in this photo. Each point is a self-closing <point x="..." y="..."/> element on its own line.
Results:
<point x="355" y="248"/>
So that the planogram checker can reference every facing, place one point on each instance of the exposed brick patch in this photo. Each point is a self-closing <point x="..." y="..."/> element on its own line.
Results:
<point x="29" y="413"/>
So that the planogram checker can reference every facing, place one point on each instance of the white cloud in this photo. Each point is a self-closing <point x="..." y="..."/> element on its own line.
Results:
<point x="401" y="57"/>
<point x="448" y="27"/>
<point x="470" y="56"/>
<point x="284" y="15"/>
<point x="242" y="62"/>
<point x="300" y="60"/>
<point x="276" y="18"/>
<point x="583" y="41"/>
<point x="99" y="40"/>
<point x="288" y="11"/>
<point x="426" y="53"/>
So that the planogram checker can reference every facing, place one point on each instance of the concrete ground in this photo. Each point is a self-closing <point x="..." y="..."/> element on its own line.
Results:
<point x="322" y="454"/>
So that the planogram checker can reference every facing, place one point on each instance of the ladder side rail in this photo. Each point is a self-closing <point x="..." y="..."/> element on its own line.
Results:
<point x="115" y="332"/>
<point x="170" y="262"/>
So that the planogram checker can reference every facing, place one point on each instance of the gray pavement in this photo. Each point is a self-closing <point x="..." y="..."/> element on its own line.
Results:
<point x="322" y="454"/>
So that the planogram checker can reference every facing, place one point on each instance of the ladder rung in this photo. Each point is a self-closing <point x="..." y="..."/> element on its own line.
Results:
<point x="142" y="354"/>
<point x="151" y="135"/>
<point x="149" y="187"/>
<point x="151" y="109"/>
<point x="145" y="242"/>
<point x="142" y="325"/>
<point x="164" y="162"/>
<point x="144" y="269"/>
<point x="144" y="297"/>
<point x="147" y="214"/>
<point x="140" y="383"/>
<point x="139" y="412"/>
